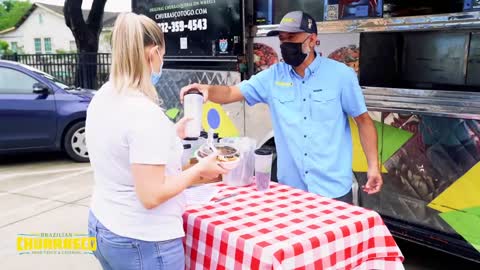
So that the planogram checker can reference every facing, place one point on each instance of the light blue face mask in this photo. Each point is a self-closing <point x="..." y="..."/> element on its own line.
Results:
<point x="155" y="77"/>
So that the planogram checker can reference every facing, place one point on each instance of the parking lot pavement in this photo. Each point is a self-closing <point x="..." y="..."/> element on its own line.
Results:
<point x="51" y="194"/>
<point x="43" y="193"/>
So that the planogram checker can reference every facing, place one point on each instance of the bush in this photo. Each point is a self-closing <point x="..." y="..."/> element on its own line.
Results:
<point x="3" y="45"/>
<point x="4" y="50"/>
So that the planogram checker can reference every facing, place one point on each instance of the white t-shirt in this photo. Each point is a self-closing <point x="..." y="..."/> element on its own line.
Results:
<point x="123" y="129"/>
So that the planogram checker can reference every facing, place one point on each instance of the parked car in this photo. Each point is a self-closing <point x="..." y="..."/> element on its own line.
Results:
<point x="38" y="112"/>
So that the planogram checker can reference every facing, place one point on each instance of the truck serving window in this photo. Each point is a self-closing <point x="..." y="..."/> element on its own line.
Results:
<point x="421" y="60"/>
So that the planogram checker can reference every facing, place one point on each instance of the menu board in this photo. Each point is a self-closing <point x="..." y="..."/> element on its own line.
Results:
<point x="211" y="28"/>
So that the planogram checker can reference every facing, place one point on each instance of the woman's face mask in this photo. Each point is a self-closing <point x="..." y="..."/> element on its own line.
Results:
<point x="292" y="52"/>
<point x="155" y="77"/>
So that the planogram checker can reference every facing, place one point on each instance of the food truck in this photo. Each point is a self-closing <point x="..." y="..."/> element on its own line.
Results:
<point x="418" y="63"/>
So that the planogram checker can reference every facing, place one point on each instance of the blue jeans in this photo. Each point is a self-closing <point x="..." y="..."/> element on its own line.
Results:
<point x="115" y="252"/>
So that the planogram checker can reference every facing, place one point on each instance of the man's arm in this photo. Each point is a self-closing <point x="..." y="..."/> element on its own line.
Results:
<point x="221" y="94"/>
<point x="253" y="91"/>
<point x="369" y="140"/>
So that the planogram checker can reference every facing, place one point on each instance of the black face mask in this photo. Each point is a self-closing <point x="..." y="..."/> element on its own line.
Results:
<point x="292" y="53"/>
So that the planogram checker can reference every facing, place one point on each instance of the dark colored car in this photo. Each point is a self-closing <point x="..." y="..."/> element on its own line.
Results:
<point x="40" y="113"/>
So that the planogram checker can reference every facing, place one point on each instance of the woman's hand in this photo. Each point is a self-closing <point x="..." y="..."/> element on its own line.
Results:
<point x="209" y="167"/>
<point x="180" y="127"/>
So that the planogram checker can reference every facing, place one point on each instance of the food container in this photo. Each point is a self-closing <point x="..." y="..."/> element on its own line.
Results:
<point x="242" y="175"/>
<point x="228" y="155"/>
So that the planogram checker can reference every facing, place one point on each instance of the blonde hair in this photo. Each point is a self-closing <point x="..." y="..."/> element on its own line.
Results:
<point x="130" y="70"/>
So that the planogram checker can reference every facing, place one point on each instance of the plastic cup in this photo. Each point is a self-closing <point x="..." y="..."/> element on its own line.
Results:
<point x="193" y="108"/>
<point x="263" y="168"/>
<point x="194" y="142"/>
<point x="187" y="154"/>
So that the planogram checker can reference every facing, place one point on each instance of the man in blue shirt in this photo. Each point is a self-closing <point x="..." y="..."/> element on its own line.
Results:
<point x="310" y="99"/>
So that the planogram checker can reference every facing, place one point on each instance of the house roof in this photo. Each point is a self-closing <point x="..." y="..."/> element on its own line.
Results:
<point x="108" y="17"/>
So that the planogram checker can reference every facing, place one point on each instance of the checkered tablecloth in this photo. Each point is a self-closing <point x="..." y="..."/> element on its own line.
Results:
<point x="286" y="228"/>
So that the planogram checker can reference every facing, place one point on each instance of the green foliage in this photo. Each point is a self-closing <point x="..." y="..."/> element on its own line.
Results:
<point x="4" y="48"/>
<point x="3" y="45"/>
<point x="11" y="11"/>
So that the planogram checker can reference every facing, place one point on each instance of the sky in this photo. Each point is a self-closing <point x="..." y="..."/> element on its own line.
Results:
<point x="111" y="5"/>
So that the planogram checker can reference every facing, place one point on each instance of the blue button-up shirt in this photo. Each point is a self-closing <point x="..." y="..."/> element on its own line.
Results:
<point x="310" y="122"/>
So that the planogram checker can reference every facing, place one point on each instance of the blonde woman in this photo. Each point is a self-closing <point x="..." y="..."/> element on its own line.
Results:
<point x="135" y="151"/>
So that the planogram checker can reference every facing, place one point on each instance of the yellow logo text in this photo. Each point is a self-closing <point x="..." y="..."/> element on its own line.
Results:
<point x="284" y="84"/>
<point x="288" y="20"/>
<point x="45" y="242"/>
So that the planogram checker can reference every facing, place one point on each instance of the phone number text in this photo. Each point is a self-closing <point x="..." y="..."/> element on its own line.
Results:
<point x="182" y="26"/>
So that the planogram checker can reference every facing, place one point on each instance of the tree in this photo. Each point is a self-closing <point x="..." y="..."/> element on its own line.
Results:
<point x="3" y="46"/>
<point x="86" y="35"/>
<point x="11" y="11"/>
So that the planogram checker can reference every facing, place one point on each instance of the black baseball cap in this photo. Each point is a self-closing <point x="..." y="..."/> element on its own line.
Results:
<point x="295" y="22"/>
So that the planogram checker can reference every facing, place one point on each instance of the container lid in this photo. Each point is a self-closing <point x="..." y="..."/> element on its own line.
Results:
<point x="224" y="151"/>
<point x="263" y="152"/>
<point x="194" y="91"/>
<point x="187" y="146"/>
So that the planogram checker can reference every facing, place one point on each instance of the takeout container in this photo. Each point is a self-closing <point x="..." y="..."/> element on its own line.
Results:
<point x="242" y="175"/>
<point x="228" y="155"/>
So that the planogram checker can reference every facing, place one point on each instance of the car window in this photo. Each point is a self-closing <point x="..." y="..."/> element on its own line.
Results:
<point x="54" y="80"/>
<point x="47" y="76"/>
<point x="15" y="82"/>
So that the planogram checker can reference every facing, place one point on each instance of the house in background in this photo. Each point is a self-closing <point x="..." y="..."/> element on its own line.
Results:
<point x="43" y="30"/>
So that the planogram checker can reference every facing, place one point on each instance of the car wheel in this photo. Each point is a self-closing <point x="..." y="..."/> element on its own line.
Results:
<point x="74" y="143"/>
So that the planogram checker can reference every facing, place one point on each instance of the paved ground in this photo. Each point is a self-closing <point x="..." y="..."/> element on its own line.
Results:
<point x="52" y="195"/>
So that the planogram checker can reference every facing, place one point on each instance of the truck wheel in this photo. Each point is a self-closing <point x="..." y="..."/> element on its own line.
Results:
<point x="74" y="143"/>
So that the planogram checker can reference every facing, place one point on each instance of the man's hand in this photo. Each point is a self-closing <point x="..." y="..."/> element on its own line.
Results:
<point x="368" y="139"/>
<point x="203" y="88"/>
<point x="374" y="183"/>
<point x="180" y="127"/>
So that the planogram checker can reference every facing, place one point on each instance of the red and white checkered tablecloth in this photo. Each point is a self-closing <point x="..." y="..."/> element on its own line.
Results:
<point x="286" y="228"/>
